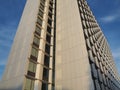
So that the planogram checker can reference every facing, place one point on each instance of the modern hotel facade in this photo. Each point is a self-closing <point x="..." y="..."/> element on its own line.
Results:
<point x="59" y="46"/>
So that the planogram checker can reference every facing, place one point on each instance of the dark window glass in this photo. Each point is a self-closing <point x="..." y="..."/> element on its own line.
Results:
<point x="49" y="21"/>
<point x="51" y="3"/>
<point x="43" y="1"/>
<point x="50" y="8"/>
<point x="47" y="49"/>
<point x="36" y="41"/>
<point x="50" y="14"/>
<point x="49" y="29"/>
<point x="31" y="73"/>
<point x="45" y="74"/>
<point x="39" y="20"/>
<point x="38" y="31"/>
<point x="33" y="58"/>
<point x="41" y="13"/>
<point x="42" y="6"/>
<point x="44" y="86"/>
<point x="48" y="38"/>
<point x="46" y="60"/>
<point x="34" y="54"/>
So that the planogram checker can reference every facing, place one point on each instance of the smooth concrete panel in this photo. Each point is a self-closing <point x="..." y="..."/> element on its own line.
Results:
<point x="15" y="83"/>
<point x="72" y="64"/>
<point x="17" y="61"/>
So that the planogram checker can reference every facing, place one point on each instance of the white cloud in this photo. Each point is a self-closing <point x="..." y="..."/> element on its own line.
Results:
<point x="7" y="34"/>
<point x="113" y="16"/>
<point x="108" y="19"/>
<point x="116" y="53"/>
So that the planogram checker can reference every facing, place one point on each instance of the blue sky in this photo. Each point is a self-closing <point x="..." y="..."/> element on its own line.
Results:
<point x="10" y="13"/>
<point x="107" y="13"/>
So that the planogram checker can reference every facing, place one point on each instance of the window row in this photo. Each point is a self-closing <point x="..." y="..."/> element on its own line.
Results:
<point x="101" y="76"/>
<point x="30" y="83"/>
<point x="87" y="24"/>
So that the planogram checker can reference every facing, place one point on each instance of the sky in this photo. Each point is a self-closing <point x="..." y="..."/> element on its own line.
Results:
<point x="107" y="13"/>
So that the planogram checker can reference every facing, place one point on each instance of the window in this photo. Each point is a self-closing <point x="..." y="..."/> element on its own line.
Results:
<point x="50" y="8"/>
<point x="49" y="22"/>
<point x="99" y="75"/>
<point x="48" y="29"/>
<point x="40" y="13"/>
<point x="51" y="3"/>
<point x="94" y="71"/>
<point x="43" y="1"/>
<point x="50" y="14"/>
<point x="34" y="52"/>
<point x="41" y="6"/>
<point x="46" y="60"/>
<point x="39" y="20"/>
<point x="97" y="85"/>
<point x="38" y="31"/>
<point x="36" y="41"/>
<point x="32" y="67"/>
<point x="29" y="85"/>
<point x="45" y="74"/>
<point x="47" y="49"/>
<point x="48" y="38"/>
<point x="44" y="86"/>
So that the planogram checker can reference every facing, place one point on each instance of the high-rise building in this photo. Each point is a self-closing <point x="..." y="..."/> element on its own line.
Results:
<point x="59" y="46"/>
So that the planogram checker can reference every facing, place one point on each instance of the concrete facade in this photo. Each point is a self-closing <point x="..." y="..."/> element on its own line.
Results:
<point x="13" y="77"/>
<point x="72" y="66"/>
<point x="59" y="46"/>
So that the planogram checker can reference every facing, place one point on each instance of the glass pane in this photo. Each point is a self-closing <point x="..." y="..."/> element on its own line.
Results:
<point x="43" y="1"/>
<point x="38" y="30"/>
<point x="50" y="8"/>
<point x="34" y="52"/>
<point x="40" y="13"/>
<point x="48" y="29"/>
<point x="32" y="85"/>
<point x="41" y="6"/>
<point x="49" y="22"/>
<point x="45" y="74"/>
<point x="29" y="85"/>
<point x="39" y="21"/>
<point x="36" y="40"/>
<point x="47" y="49"/>
<point x="50" y="14"/>
<point x="46" y="60"/>
<point x="48" y="38"/>
<point x="32" y="67"/>
<point x="44" y="86"/>
<point x="51" y="3"/>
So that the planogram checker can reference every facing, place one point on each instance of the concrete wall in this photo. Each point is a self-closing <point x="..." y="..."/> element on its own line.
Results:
<point x="17" y="62"/>
<point x="72" y="64"/>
